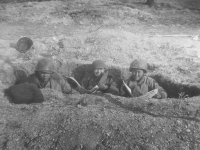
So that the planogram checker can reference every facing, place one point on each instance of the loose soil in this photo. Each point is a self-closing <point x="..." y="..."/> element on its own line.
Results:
<point x="75" y="33"/>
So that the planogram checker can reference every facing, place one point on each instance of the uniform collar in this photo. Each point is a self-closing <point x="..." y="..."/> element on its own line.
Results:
<point x="141" y="81"/>
<point x="40" y="84"/>
<point x="96" y="78"/>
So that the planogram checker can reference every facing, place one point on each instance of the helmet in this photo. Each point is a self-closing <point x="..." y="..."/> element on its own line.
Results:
<point x="138" y="64"/>
<point x="24" y="44"/>
<point x="98" y="64"/>
<point x="45" y="65"/>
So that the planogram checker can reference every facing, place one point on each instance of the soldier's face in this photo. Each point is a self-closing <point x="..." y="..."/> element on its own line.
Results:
<point x="99" y="72"/>
<point x="43" y="76"/>
<point x="137" y="74"/>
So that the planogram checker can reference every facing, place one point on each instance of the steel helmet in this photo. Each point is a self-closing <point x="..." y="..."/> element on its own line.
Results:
<point x="138" y="64"/>
<point x="45" y="65"/>
<point x="24" y="44"/>
<point x="98" y="64"/>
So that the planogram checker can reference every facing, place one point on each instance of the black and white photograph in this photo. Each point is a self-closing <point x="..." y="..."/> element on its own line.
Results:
<point x="99" y="74"/>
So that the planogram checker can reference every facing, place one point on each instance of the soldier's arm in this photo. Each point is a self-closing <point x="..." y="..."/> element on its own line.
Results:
<point x="154" y="85"/>
<point x="65" y="86"/>
<point x="112" y="86"/>
<point x="85" y="83"/>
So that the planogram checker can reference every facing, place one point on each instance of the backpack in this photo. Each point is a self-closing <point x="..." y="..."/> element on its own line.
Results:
<point x="24" y="93"/>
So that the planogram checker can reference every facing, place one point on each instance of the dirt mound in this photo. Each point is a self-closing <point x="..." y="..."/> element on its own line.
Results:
<point x="75" y="33"/>
<point x="103" y="122"/>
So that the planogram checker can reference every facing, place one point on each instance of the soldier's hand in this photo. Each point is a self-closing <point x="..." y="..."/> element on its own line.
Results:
<point x="90" y="87"/>
<point x="103" y="86"/>
<point x="158" y="95"/>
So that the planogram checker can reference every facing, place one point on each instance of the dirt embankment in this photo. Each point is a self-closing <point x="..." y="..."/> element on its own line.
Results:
<point x="102" y="122"/>
<point x="74" y="33"/>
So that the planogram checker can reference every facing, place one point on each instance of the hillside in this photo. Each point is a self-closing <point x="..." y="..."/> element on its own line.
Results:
<point x="76" y="32"/>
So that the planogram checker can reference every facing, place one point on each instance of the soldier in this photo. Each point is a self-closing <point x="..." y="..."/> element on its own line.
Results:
<point x="140" y="83"/>
<point x="45" y="76"/>
<point x="101" y="77"/>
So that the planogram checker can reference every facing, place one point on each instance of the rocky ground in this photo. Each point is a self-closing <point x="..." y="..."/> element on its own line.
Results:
<point x="74" y="33"/>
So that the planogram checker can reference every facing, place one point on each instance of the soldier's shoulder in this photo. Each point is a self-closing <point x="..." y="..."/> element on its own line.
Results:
<point x="57" y="77"/>
<point x="150" y="80"/>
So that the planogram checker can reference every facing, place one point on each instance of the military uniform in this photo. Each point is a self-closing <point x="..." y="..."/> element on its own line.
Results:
<point x="140" y="83"/>
<point x="145" y="85"/>
<point x="55" y="80"/>
<point x="107" y="85"/>
<point x="90" y="81"/>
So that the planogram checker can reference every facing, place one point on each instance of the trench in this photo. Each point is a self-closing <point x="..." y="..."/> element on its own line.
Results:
<point x="78" y="71"/>
<point x="82" y="127"/>
<point x="173" y="89"/>
<point x="176" y="90"/>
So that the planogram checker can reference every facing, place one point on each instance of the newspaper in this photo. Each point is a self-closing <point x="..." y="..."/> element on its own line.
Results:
<point x="72" y="81"/>
<point x="147" y="95"/>
<point x="127" y="88"/>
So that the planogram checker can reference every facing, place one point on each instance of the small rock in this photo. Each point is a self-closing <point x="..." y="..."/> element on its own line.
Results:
<point x="187" y="10"/>
<point x="29" y="4"/>
<point x="196" y="38"/>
